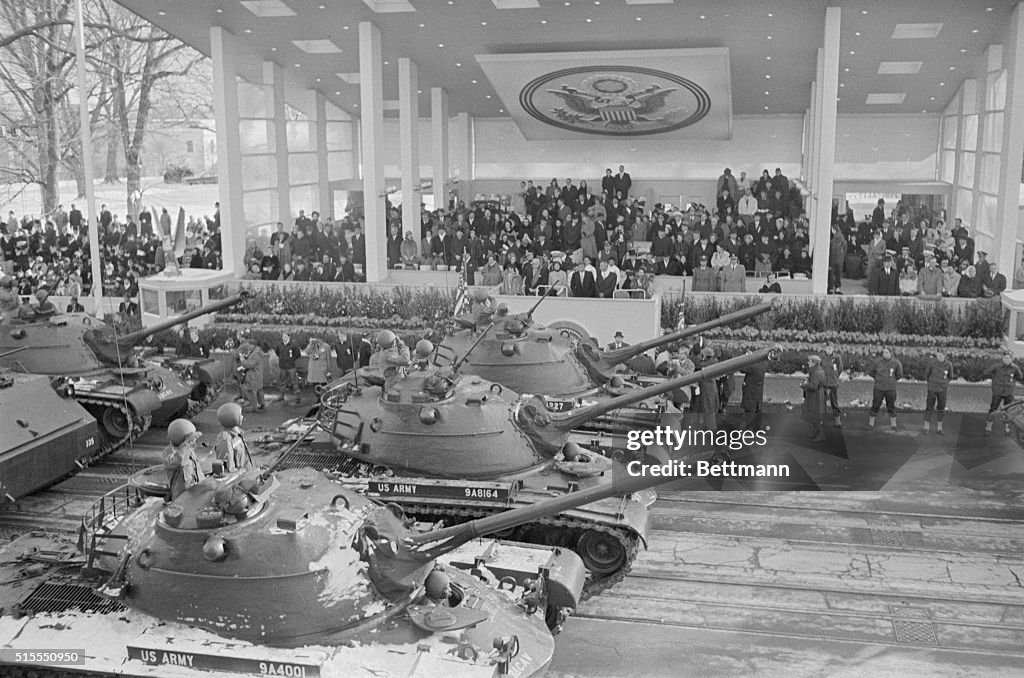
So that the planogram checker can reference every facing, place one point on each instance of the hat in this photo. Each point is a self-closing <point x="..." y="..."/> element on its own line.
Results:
<point x="982" y="254"/>
<point x="707" y="352"/>
<point x="618" y="334"/>
<point x="891" y="253"/>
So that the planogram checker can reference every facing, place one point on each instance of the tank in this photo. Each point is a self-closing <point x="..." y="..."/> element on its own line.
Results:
<point x="530" y="358"/>
<point x="289" y="573"/>
<point x="45" y="434"/>
<point x="569" y="372"/>
<point x="124" y="394"/>
<point x="451" y="447"/>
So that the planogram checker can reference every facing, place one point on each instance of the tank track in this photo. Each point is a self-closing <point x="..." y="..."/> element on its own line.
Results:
<point x="629" y="541"/>
<point x="196" y="407"/>
<point x="111" y="444"/>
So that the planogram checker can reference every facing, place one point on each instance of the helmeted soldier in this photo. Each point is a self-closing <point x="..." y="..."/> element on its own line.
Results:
<point x="1005" y="376"/>
<point x="392" y="357"/>
<point x="8" y="299"/>
<point x="231" y="447"/>
<point x="180" y="462"/>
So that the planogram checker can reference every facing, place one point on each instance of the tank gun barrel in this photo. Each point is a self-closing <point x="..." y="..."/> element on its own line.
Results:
<point x="601" y="364"/>
<point x="132" y="338"/>
<point x="460" y="361"/>
<point x="580" y="416"/>
<point x="552" y="291"/>
<point x="450" y="538"/>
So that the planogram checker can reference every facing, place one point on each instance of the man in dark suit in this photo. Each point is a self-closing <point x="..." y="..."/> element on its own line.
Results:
<point x="607" y="281"/>
<point x="105" y="217"/>
<point x="623" y="182"/>
<point x="618" y="343"/>
<point x="75" y="217"/>
<point x="608" y="183"/>
<point x="885" y="280"/>
<point x="359" y="247"/>
<point x="582" y="283"/>
<point x="345" y="271"/>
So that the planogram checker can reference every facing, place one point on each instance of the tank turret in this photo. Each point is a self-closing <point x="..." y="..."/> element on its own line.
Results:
<point x="442" y="444"/>
<point x="534" y="359"/>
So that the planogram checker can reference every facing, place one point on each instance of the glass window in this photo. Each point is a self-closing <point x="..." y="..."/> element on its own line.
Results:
<point x="302" y="168"/>
<point x="259" y="207"/>
<point x="990" y="173"/>
<point x="218" y="292"/>
<point x="301" y="136"/>
<point x="183" y="301"/>
<point x="304" y="198"/>
<point x="151" y="302"/>
<point x="255" y="136"/>
<point x="965" y="203"/>
<point x="339" y="136"/>
<point x="993" y="136"/>
<point x="970" y="138"/>
<point x="254" y="101"/>
<point x="258" y="171"/>
<point x="335" y="113"/>
<point x="996" y="99"/>
<point x="988" y="214"/>
<point x="339" y="166"/>
<point x="967" y="170"/>
<point x="949" y="132"/>
<point x="948" y="166"/>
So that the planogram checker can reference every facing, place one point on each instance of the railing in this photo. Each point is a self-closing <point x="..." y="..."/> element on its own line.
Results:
<point x="630" y="293"/>
<point x="102" y="516"/>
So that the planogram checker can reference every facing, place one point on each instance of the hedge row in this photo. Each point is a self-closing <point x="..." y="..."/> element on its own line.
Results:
<point x="981" y="319"/>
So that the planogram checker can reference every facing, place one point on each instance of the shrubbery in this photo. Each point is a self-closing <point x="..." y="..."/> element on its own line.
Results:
<point x="970" y="334"/>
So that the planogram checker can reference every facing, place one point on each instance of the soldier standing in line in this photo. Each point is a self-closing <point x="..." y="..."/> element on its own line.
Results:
<point x="937" y="374"/>
<point x="1005" y="376"/>
<point x="832" y="365"/>
<point x="287" y="354"/>
<point x="250" y="359"/>
<point x="753" y="389"/>
<point x="180" y="462"/>
<point x="886" y="372"/>
<point x="231" y="447"/>
<point x="814" y="389"/>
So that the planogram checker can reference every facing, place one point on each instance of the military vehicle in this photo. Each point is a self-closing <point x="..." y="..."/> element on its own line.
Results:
<point x="529" y="358"/>
<point x="125" y="394"/>
<point x="449" y="447"/>
<point x="289" y="573"/>
<point x="44" y="434"/>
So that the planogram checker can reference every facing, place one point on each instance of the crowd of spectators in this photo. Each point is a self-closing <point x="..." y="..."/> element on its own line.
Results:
<point x="316" y="249"/>
<point x="570" y="235"/>
<point x="910" y="251"/>
<point x="53" y="252"/>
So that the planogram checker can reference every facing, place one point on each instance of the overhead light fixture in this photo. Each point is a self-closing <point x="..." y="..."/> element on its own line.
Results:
<point x="857" y="34"/>
<point x="974" y="30"/>
<point x="589" y="21"/>
<point x="474" y="82"/>
<point x="702" y="17"/>
<point x="942" y="84"/>
<point x="769" y="37"/>
<point x="766" y="108"/>
<point x="419" y="91"/>
<point x="220" y="11"/>
<point x="770" y="15"/>
<point x="318" y="79"/>
<point x="273" y="49"/>
<point x="337" y="94"/>
<point x="423" y="25"/>
<point x="842" y="84"/>
<point x="248" y="30"/>
<point x="639" y="18"/>
<point x="488" y="96"/>
<point x="298" y="65"/>
<point x="852" y="53"/>
<point x="766" y="92"/>
<point x="458" y="64"/>
<point x="440" y="44"/>
<point x="847" y="69"/>
<point x="767" y="77"/>
<point x="483" y="23"/>
<point x="543" y="21"/>
<point x="768" y="58"/>
<point x="344" y="28"/>
<point x="162" y="13"/>
<point x="952" y="68"/>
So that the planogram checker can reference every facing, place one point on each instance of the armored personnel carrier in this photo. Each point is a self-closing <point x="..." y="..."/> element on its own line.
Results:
<point x="289" y="573"/>
<point x="125" y="394"/>
<point x="452" y="447"/>
<point x="44" y="434"/>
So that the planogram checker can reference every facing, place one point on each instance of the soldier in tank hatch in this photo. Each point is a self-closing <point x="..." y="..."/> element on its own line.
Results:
<point x="180" y="462"/>
<point x="231" y="447"/>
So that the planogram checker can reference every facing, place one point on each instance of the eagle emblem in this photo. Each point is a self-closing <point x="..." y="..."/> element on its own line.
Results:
<point x="614" y="102"/>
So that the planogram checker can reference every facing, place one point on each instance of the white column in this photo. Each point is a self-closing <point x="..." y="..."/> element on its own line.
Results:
<point x="229" y="152"/>
<point x="371" y="106"/>
<point x="811" y="206"/>
<point x="323" y="184"/>
<point x="92" y="221"/>
<point x="1008" y="218"/>
<point x="409" y="139"/>
<point x="464" y="159"/>
<point x="828" y="90"/>
<point x="439" y="145"/>
<point x="273" y="75"/>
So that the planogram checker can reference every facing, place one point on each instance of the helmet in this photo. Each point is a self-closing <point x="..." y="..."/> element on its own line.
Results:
<point x="480" y="295"/>
<point x="229" y="415"/>
<point x="424" y="348"/>
<point x="502" y="309"/>
<point x="179" y="430"/>
<point x="437" y="585"/>
<point x="7" y="282"/>
<point x="386" y="338"/>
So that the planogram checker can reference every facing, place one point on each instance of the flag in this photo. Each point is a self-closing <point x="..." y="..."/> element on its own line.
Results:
<point x="179" y="234"/>
<point x="461" y="295"/>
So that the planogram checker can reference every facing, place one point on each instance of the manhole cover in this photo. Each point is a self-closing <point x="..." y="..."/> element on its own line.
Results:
<point x="914" y="632"/>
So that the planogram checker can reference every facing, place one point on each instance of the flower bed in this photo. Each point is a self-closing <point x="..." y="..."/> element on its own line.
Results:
<point x="982" y="319"/>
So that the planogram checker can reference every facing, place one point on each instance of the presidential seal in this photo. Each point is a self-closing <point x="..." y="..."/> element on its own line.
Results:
<point x="615" y="100"/>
